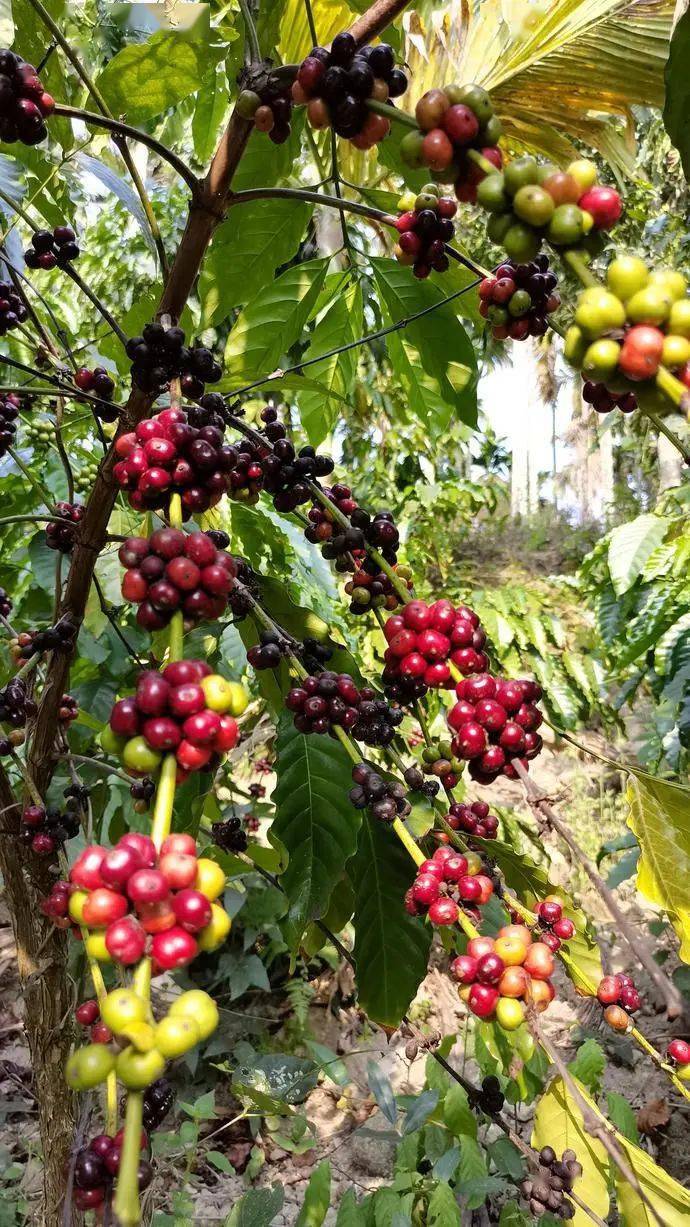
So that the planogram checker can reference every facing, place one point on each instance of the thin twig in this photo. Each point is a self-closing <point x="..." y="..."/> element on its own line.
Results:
<point x="538" y="802"/>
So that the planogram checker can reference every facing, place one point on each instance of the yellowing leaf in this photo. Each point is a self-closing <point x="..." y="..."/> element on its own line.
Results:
<point x="558" y="1123"/>
<point x="659" y="816"/>
<point x="670" y="1200"/>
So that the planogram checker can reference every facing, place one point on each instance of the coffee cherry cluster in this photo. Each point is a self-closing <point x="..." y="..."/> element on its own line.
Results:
<point x="447" y="884"/>
<point x="229" y="835"/>
<point x="40" y="434"/>
<point x="625" y="331"/>
<point x="384" y="798"/>
<point x="327" y="700"/>
<point x="314" y="656"/>
<point x="136" y="901"/>
<point x="12" y="309"/>
<point x="453" y="122"/>
<point x="286" y="473"/>
<point x="369" y="586"/>
<point x="621" y="999"/>
<point x="603" y="401"/>
<point x="24" y="103"/>
<point x="517" y="299"/>
<point x="556" y="928"/>
<point x="494" y="721"/>
<point x="547" y="1190"/>
<point x="44" y="830"/>
<point x="191" y="1018"/>
<point x="271" y="110"/>
<point x="424" y="230"/>
<point x="15" y="707"/>
<point x="58" y="638"/>
<point x="84" y="479"/>
<point x="490" y="1098"/>
<point x="159" y="1098"/>
<point x="473" y="819"/>
<point x="61" y="534"/>
<point x="678" y="1053"/>
<point x="269" y="651"/>
<point x="51" y="248"/>
<point x="97" y="1165"/>
<point x="160" y="354"/>
<point x="99" y="383"/>
<point x="172" y="570"/>
<point x="9" y="412"/>
<point x="166" y="455"/>
<point x="530" y="202"/>
<point x="336" y="85"/>
<point x="184" y="710"/>
<point x="499" y="976"/>
<point x="142" y="792"/>
<point x="423" y="638"/>
<point x="5" y="603"/>
<point x="438" y="760"/>
<point x="414" y="778"/>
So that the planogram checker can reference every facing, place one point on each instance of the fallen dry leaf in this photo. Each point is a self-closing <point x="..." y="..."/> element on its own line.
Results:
<point x="654" y="1115"/>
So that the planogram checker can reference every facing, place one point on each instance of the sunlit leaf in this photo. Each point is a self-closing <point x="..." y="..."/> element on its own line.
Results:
<point x="658" y="815"/>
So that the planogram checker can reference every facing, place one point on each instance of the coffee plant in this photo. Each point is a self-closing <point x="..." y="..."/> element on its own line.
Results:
<point x="222" y="574"/>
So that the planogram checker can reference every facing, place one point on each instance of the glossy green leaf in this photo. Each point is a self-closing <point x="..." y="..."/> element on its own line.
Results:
<point x="316" y="1198"/>
<point x="245" y="252"/>
<point x="272" y="322"/>
<point x="145" y="79"/>
<point x="314" y="821"/>
<point x="391" y="947"/>
<point x="211" y="107"/>
<point x="342" y="322"/>
<point x="678" y="90"/>
<point x="630" y="545"/>
<point x="433" y="355"/>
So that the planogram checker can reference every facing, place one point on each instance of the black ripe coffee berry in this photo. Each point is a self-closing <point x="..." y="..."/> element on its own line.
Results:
<point x="424" y="232"/>
<point x="228" y="835"/>
<point x="24" y="103"/>
<point x="12" y="309"/>
<point x="336" y="85"/>
<point x="158" y="1100"/>
<point x="286" y="473"/>
<point x="598" y="396"/>
<point x="9" y="412"/>
<point x="385" y="798"/>
<point x="142" y="793"/>
<point x="57" y="638"/>
<point x="517" y="299"/>
<point x="51" y="248"/>
<point x="15" y="705"/>
<point x="5" y="603"/>
<point x="271" y="110"/>
<point x="61" y="533"/>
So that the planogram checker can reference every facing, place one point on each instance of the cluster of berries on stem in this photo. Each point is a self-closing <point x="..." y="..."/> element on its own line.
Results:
<point x="494" y="721"/>
<point x="52" y="248"/>
<point x="98" y="383"/>
<point x="454" y="123"/>
<point x="135" y="901"/>
<point x="96" y="1166"/>
<point x="229" y="835"/>
<point x="9" y="412"/>
<point x="12" y="310"/>
<point x="384" y="798"/>
<point x="172" y="570"/>
<point x="44" y="829"/>
<point x="473" y="819"/>
<point x="446" y="884"/>
<point x="61" y="533"/>
<point x="160" y="355"/>
<point x="556" y="928"/>
<point x="604" y="401"/>
<point x="184" y="710"/>
<point x="547" y="1190"/>
<point x="424" y="230"/>
<point x="499" y="976"/>
<point x="270" y="108"/>
<point x="328" y="700"/>
<point x="166" y="455"/>
<point x="24" y="103"/>
<point x="423" y="639"/>
<point x="336" y="85"/>
<point x="369" y="587"/>
<point x="58" y="638"/>
<point x="518" y="298"/>
<point x="620" y="999"/>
